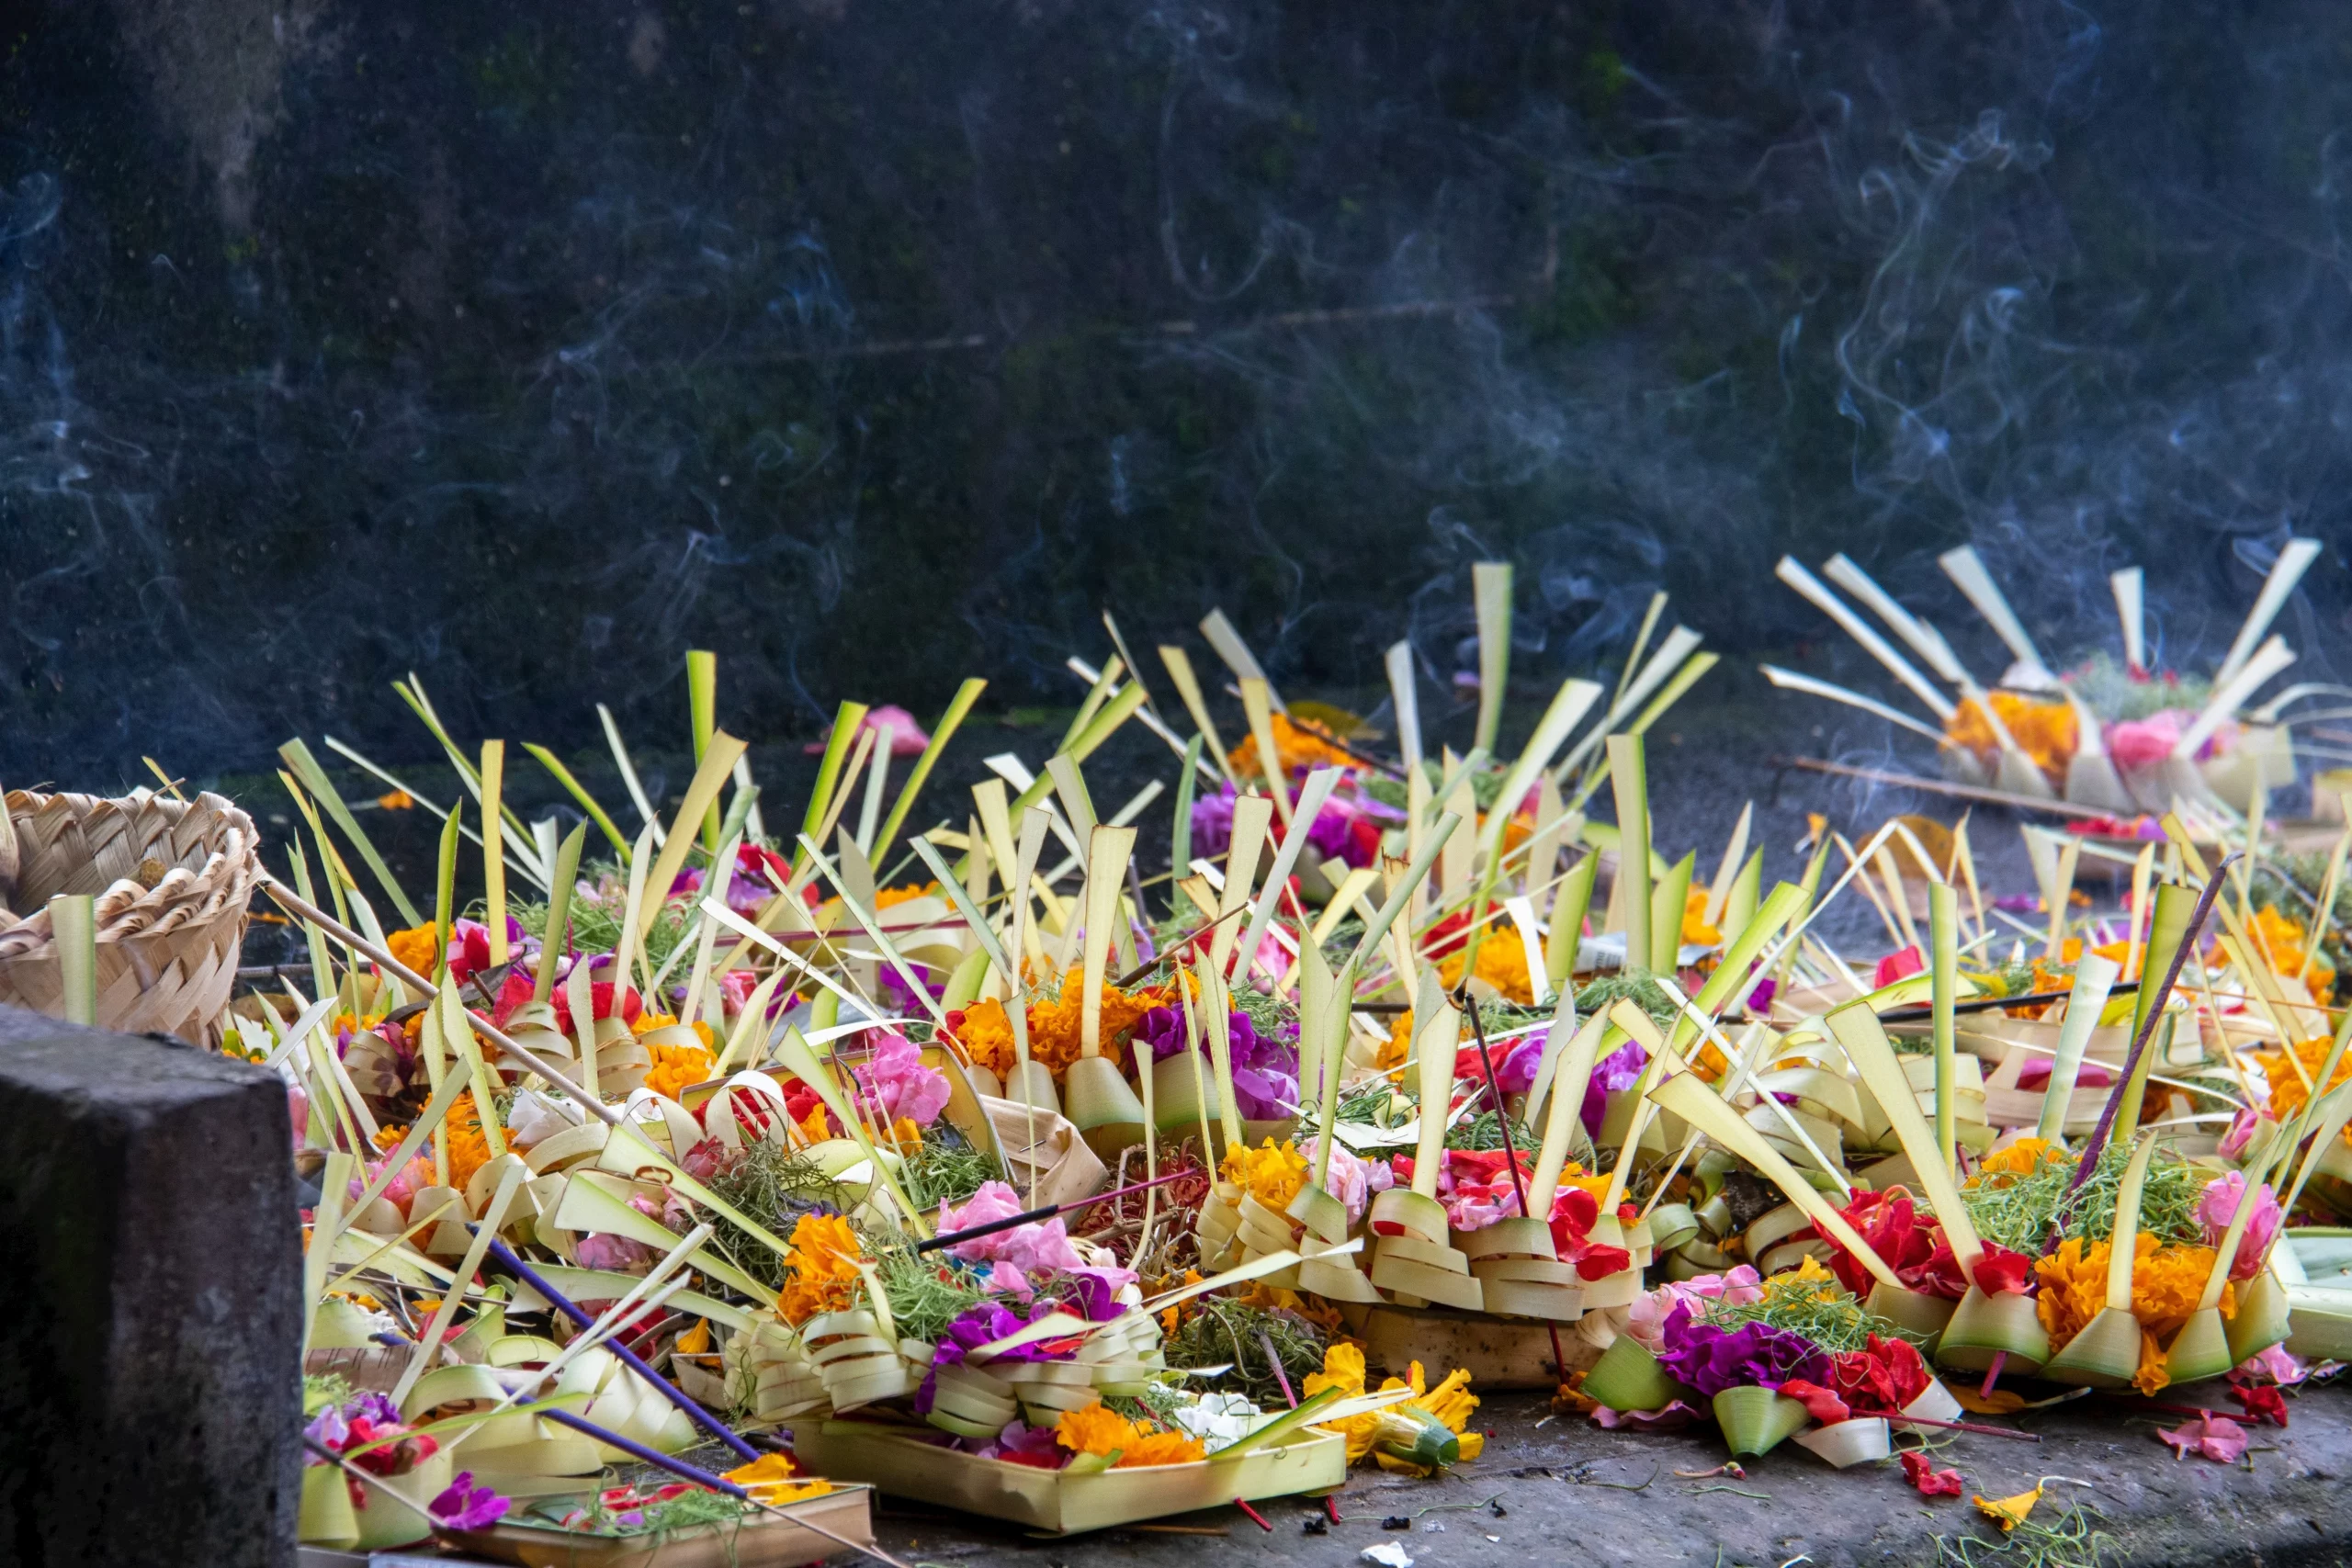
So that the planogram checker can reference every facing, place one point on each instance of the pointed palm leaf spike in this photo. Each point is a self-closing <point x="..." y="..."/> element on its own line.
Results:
<point x="1629" y="777"/>
<point x="2130" y="586"/>
<point x="702" y="708"/>
<point x="1437" y="1034"/>
<point x="1791" y="681"/>
<point x="1256" y="702"/>
<point x="2171" y="939"/>
<point x="1106" y="869"/>
<point x="849" y="723"/>
<point x="1235" y="653"/>
<point x="2285" y="573"/>
<point x="1569" y="907"/>
<point x="1188" y="686"/>
<point x="1815" y="590"/>
<point x="1672" y="655"/>
<point x="1858" y="1029"/>
<point x="1943" y="938"/>
<point x="1252" y="815"/>
<point x="1923" y="640"/>
<point x="2094" y="979"/>
<point x="2233" y="695"/>
<point x="2125" y="1239"/>
<point x="1560" y="1124"/>
<point x="718" y="765"/>
<point x="1728" y="868"/>
<point x="941" y="733"/>
<point x="1400" y="893"/>
<point x="1401" y="694"/>
<point x="1319" y="785"/>
<point x="1966" y="569"/>
<point x="1490" y="594"/>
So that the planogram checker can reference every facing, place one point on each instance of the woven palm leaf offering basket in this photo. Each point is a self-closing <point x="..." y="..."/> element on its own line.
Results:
<point x="129" y="912"/>
<point x="2120" y="737"/>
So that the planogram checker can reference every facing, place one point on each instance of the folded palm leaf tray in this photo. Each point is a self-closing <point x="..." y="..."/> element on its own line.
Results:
<point x="693" y="1182"/>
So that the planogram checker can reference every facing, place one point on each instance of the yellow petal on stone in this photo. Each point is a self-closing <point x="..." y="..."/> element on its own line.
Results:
<point x="2009" y="1511"/>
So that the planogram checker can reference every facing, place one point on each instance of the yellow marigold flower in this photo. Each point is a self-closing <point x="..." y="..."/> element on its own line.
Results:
<point x="1272" y="1175"/>
<point x="912" y="890"/>
<point x="1451" y="1402"/>
<point x="675" y="1067"/>
<point x="1343" y="1369"/>
<point x="1502" y="963"/>
<point x="1398" y="1045"/>
<point x="985" y="1036"/>
<point x="824" y="1247"/>
<point x="1696" y="931"/>
<point x="2152" y="1374"/>
<point x="769" y="1479"/>
<point x="2009" y="1511"/>
<point x="419" y="947"/>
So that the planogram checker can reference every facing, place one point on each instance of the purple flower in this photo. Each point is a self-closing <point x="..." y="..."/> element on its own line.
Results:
<point x="1711" y="1358"/>
<point x="1213" y="823"/>
<point x="1265" y="1072"/>
<point x="974" y="1327"/>
<point x="1162" y="1029"/>
<point x="465" y="1506"/>
<point x="1622" y="1068"/>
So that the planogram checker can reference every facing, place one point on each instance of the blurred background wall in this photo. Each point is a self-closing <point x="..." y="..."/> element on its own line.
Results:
<point x="875" y="344"/>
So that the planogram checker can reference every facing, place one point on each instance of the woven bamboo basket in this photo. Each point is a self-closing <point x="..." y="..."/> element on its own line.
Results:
<point x="171" y="879"/>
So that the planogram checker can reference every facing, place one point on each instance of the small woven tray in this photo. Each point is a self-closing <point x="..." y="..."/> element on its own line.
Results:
<point x="171" y="879"/>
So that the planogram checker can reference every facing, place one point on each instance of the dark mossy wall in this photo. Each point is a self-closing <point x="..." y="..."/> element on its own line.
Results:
<point x="875" y="343"/>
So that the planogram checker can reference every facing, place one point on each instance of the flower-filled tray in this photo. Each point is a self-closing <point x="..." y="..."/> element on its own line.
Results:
<point x="903" y="1462"/>
<point x="758" y="1541"/>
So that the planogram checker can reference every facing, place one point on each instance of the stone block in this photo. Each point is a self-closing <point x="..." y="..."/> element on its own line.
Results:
<point x="150" y="1350"/>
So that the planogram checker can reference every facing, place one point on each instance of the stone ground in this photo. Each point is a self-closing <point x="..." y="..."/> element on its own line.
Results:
<point x="1569" y="1492"/>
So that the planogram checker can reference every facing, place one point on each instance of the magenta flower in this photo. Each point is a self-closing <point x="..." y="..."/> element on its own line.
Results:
<point x="2218" y="1203"/>
<point x="465" y="1506"/>
<point x="895" y="1079"/>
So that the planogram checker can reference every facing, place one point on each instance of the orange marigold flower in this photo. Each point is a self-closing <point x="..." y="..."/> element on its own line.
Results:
<point x="824" y="1247"/>
<point x="1696" y="931"/>
<point x="1162" y="1448"/>
<point x="1297" y="744"/>
<point x="1097" y="1429"/>
<point x="2020" y="1158"/>
<point x="2045" y="731"/>
<point x="2280" y="941"/>
<point x="2287" y="1092"/>
<point x="2166" y="1281"/>
<point x="419" y="947"/>
<point x="986" y="1034"/>
<point x="468" y="1149"/>
<point x="912" y="890"/>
